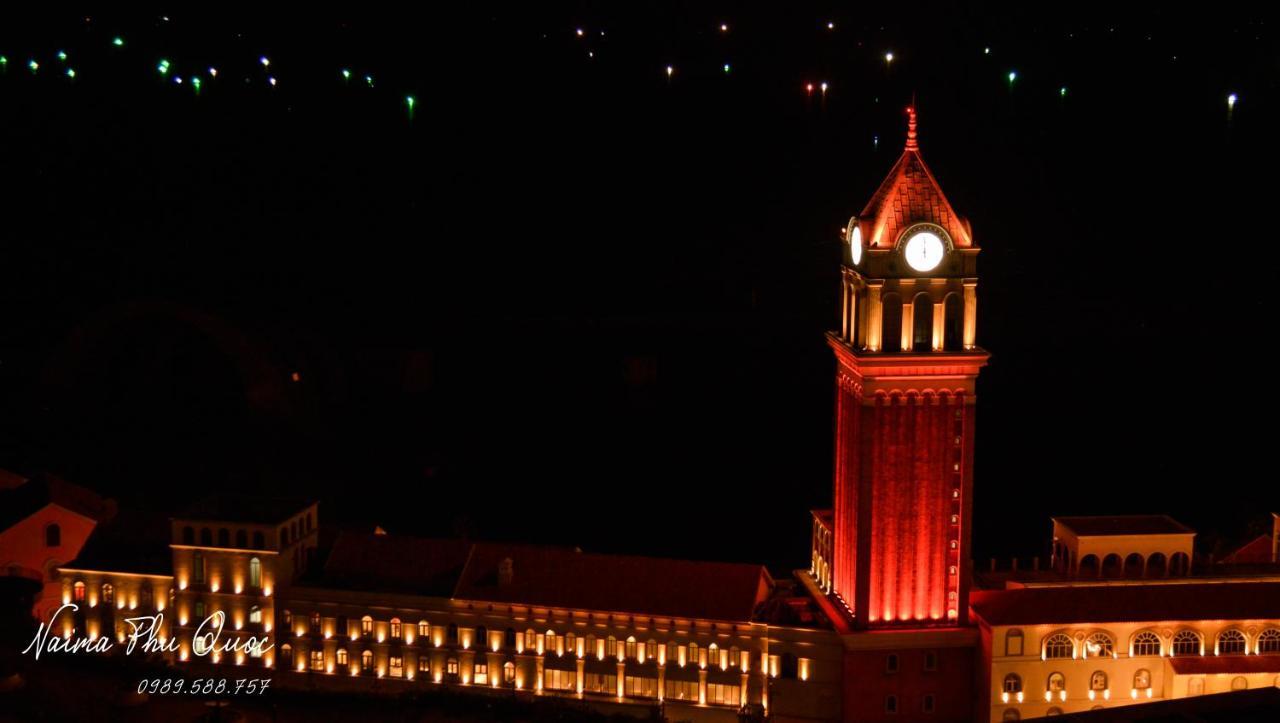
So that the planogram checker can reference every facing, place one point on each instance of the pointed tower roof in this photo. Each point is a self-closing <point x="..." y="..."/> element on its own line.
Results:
<point x="910" y="195"/>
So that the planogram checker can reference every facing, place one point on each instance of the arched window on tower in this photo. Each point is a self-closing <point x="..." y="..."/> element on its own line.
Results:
<point x="891" y="325"/>
<point x="953" y="323"/>
<point x="922" y="323"/>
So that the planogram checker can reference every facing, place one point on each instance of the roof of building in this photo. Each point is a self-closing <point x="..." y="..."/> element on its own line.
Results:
<point x="909" y="195"/>
<point x="1256" y="551"/>
<point x="1128" y="603"/>
<point x="395" y="563"/>
<point x="248" y="509"/>
<point x="566" y="578"/>
<point x="1223" y="664"/>
<point x="20" y="501"/>
<point x="132" y="542"/>
<point x="1244" y="706"/>
<point x="1106" y="525"/>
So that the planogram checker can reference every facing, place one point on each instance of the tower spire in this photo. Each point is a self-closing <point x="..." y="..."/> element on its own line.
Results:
<point x="912" y="145"/>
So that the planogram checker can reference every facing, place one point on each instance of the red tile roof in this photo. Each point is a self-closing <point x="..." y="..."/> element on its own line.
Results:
<point x="561" y="577"/>
<point x="909" y="195"/>
<point x="19" y="502"/>
<point x="1101" y="525"/>
<point x="1128" y="603"/>
<point x="1210" y="664"/>
<point x="1256" y="551"/>
<point x="395" y="563"/>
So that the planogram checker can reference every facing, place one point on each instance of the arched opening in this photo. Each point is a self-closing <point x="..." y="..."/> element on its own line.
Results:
<point x="891" y="326"/>
<point x="1089" y="566"/>
<point x="1179" y="564"/>
<point x="242" y="539"/>
<point x="1157" y="565"/>
<point x="1112" y="566"/>
<point x="953" y="323"/>
<point x="224" y="537"/>
<point x="206" y="537"/>
<point x="922" y="323"/>
<point x="1133" y="565"/>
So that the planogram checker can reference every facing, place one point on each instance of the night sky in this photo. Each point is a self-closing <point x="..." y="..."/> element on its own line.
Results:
<point x="573" y="300"/>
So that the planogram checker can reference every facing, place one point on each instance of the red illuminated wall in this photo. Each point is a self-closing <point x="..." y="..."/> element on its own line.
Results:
<point x="902" y="494"/>
<point x="868" y="683"/>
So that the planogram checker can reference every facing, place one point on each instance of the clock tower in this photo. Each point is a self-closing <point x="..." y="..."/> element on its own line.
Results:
<point x="906" y="364"/>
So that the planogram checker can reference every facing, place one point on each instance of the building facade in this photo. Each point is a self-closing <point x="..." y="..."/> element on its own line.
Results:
<point x="890" y="622"/>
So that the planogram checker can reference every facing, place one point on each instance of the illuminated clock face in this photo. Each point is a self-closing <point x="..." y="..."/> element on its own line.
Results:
<point x="924" y="251"/>
<point x="855" y="245"/>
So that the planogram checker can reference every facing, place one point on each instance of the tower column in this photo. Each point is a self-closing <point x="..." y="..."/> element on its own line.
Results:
<point x="970" y="313"/>
<point x="845" y="323"/>
<point x="908" y="325"/>
<point x="939" y="326"/>
<point x="853" y="314"/>
<point x="875" y="320"/>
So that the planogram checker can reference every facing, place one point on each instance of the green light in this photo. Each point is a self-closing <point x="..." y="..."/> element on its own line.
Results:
<point x="118" y="41"/>
<point x="726" y="67"/>
<point x="1013" y="75"/>
<point x="163" y="67"/>
<point x="368" y="80"/>
<point x="71" y="72"/>
<point x="195" y="84"/>
<point x="1063" y="91"/>
<point x="62" y="55"/>
<point x="346" y="74"/>
<point x="33" y="65"/>
<point x="4" y="61"/>
<point x="409" y="102"/>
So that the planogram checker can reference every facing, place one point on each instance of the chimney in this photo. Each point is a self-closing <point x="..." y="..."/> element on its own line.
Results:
<point x="506" y="569"/>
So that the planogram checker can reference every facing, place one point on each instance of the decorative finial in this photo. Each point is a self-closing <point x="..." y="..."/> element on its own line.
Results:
<point x="912" y="145"/>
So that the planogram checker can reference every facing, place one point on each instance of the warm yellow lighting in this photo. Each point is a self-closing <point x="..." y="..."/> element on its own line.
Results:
<point x="1062" y="694"/>
<point x="213" y="586"/>
<point x="182" y="583"/>
<point x="1106" y="694"/>
<point x="1148" y="692"/>
<point x="1048" y="696"/>
<point x="1092" y="694"/>
<point x="1133" y="693"/>
<point x="266" y="591"/>
<point x="1019" y="696"/>
<point x="1004" y="697"/>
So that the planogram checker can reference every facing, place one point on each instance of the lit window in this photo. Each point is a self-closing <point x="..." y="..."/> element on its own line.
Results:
<point x="1099" y="645"/>
<point x="1142" y="679"/>
<point x="1098" y="681"/>
<point x="317" y="660"/>
<point x="1058" y="646"/>
<point x="366" y="661"/>
<point x="651" y="649"/>
<point x="366" y="625"/>
<point x="200" y="643"/>
<point x="550" y="642"/>
<point x="255" y="614"/>
<point x="570" y="640"/>
<point x="424" y="664"/>
<point x="451" y="666"/>
<point x="530" y="640"/>
<point x="481" y="673"/>
<point x="1230" y="642"/>
<point x="395" y="628"/>
<point x="108" y="593"/>
<point x="673" y="651"/>
<point x="342" y="657"/>
<point x="693" y="653"/>
<point x="1269" y="641"/>
<point x="197" y="568"/>
<point x="611" y="646"/>
<point x="424" y="629"/>
<point x="1056" y="684"/>
<point x="396" y="663"/>
<point x="1186" y="642"/>
<point x="508" y="673"/>
<point x="1146" y="643"/>
<point x="1012" y="684"/>
<point x="631" y="649"/>
<point x="255" y="572"/>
